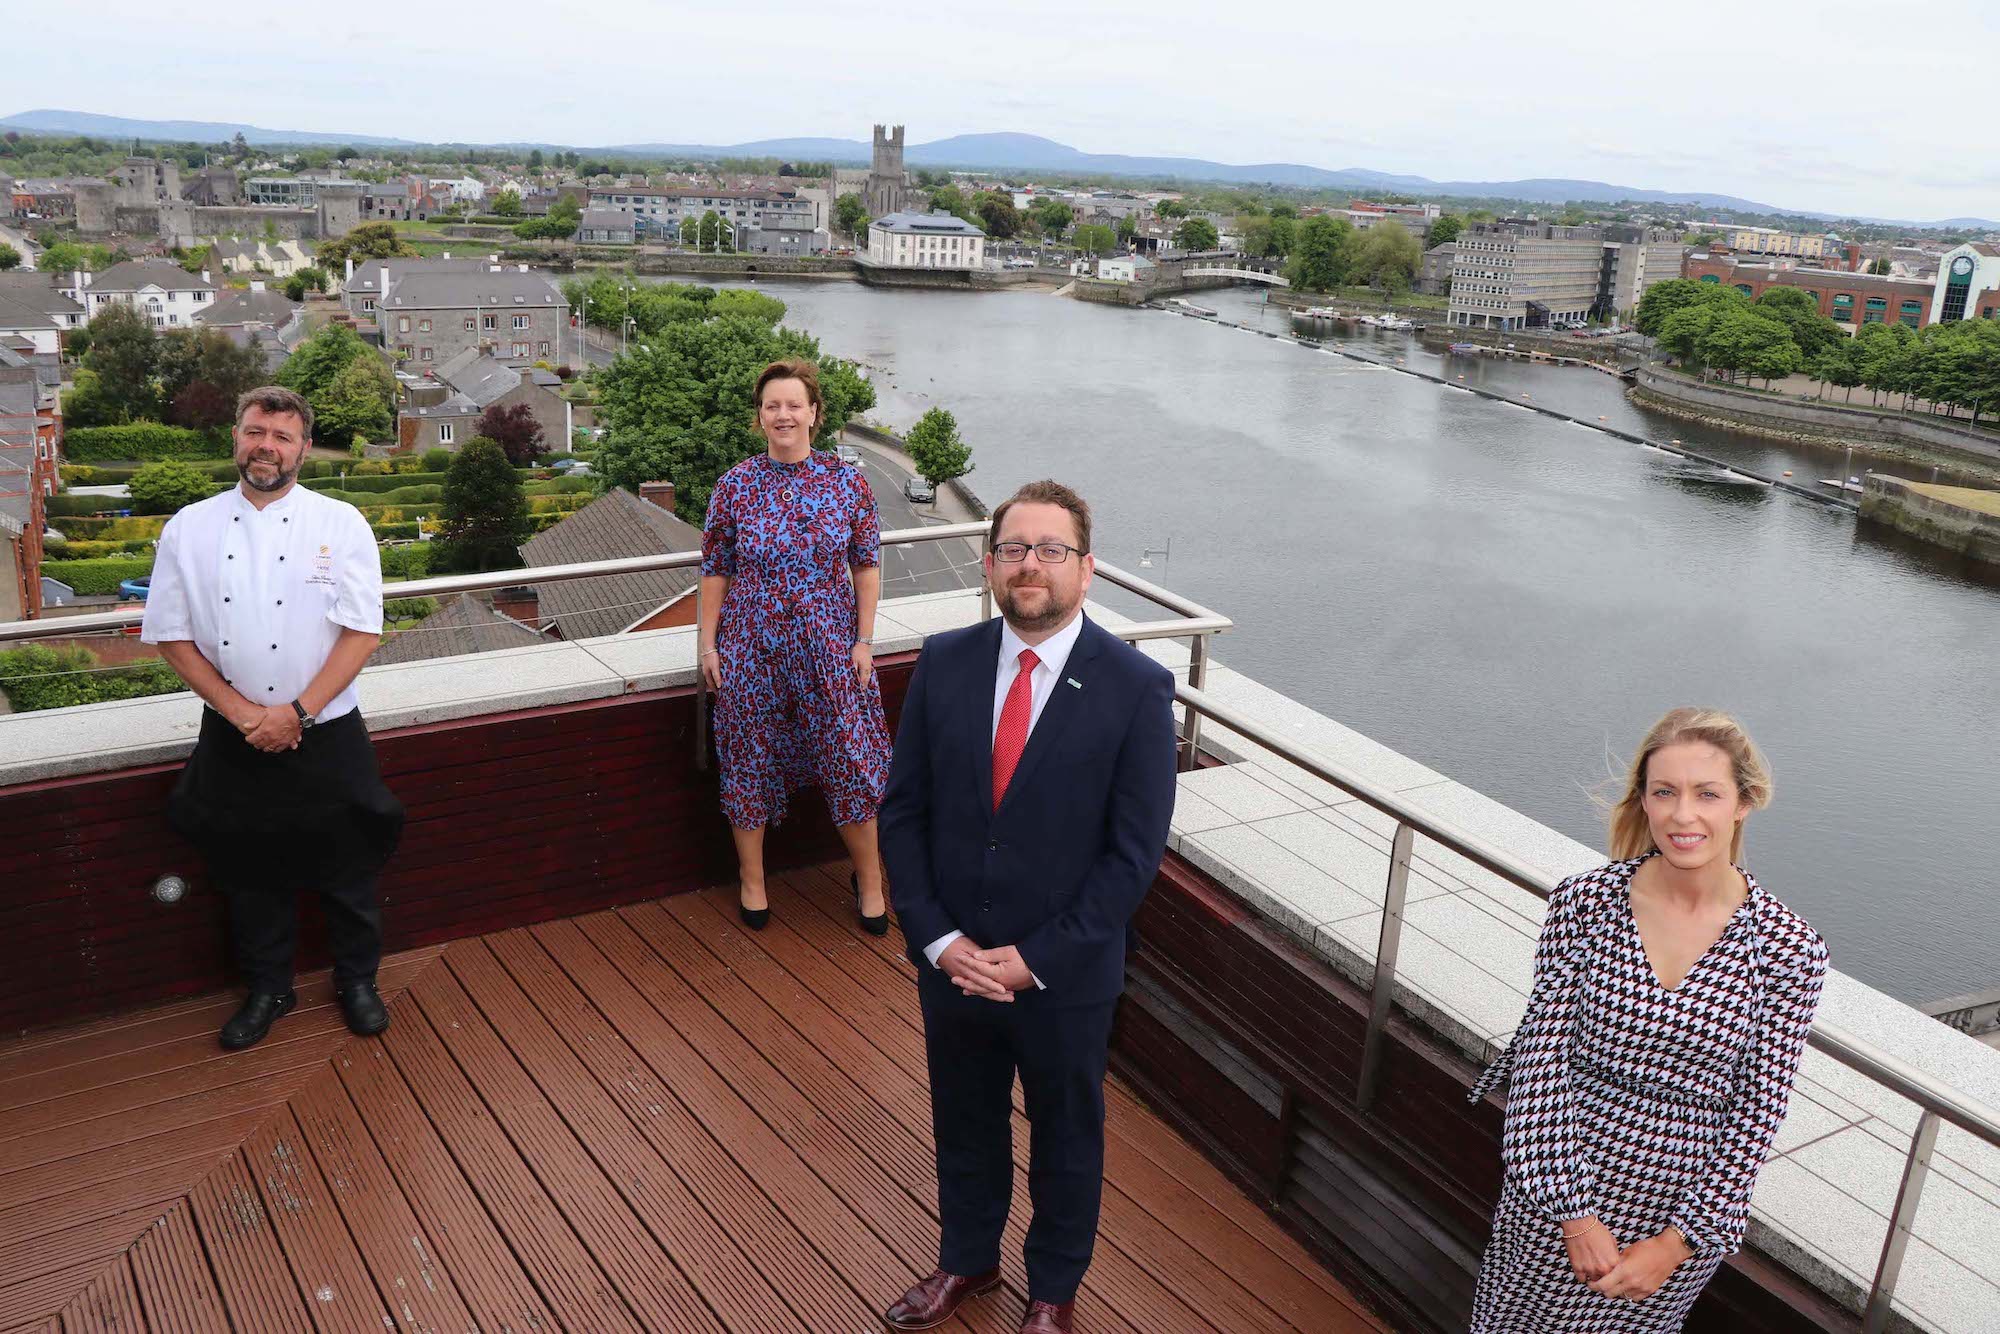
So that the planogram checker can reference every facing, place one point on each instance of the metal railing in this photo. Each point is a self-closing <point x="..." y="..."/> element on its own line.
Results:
<point x="1938" y="1102"/>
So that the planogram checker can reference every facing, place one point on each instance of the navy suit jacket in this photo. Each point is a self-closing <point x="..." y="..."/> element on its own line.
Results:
<point x="1060" y="868"/>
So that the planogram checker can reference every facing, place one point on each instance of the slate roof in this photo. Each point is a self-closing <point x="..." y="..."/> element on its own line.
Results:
<point x="615" y="526"/>
<point x="136" y="274"/>
<point x="38" y="291"/>
<point x="928" y="224"/>
<point x="478" y="376"/>
<point x="18" y="400"/>
<point x="246" y="307"/>
<point x="368" y="273"/>
<point x="463" y="624"/>
<point x="430" y="289"/>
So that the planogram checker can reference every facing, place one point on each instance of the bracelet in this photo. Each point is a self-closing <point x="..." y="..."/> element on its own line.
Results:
<point x="1572" y="1236"/>
<point x="710" y="653"/>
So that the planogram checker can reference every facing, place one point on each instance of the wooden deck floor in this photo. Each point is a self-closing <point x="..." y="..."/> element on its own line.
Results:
<point x="646" y="1119"/>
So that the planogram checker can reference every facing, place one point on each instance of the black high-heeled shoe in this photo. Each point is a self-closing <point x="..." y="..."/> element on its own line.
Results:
<point x="878" y="925"/>
<point x="754" y="918"/>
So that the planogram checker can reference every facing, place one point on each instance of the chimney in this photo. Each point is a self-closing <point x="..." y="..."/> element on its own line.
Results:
<point x="659" y="493"/>
<point x="348" y="281"/>
<point x="205" y="278"/>
<point x="520" y="602"/>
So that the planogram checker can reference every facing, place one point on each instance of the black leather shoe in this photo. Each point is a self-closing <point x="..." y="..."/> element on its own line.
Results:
<point x="936" y="1299"/>
<point x="261" y="1009"/>
<point x="362" y="1006"/>
<point x="878" y="925"/>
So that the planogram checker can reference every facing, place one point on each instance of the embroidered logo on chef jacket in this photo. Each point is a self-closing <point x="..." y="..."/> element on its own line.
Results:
<point x="322" y="568"/>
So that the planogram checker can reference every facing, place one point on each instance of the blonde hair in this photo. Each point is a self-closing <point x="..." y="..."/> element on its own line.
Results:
<point x="1632" y="833"/>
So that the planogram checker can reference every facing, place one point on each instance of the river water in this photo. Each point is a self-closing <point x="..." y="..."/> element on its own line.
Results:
<point x="1509" y="599"/>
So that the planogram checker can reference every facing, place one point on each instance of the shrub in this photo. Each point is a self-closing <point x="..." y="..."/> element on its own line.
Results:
<point x="97" y="578"/>
<point x="354" y="485"/>
<point x="371" y="468"/>
<point x="410" y="562"/>
<point x="37" y="676"/>
<point x="437" y="460"/>
<point x="68" y="505"/>
<point x="142" y="442"/>
<point x="89" y="550"/>
<point x="165" y="487"/>
<point x="385" y="532"/>
<point x="408" y="609"/>
<point x="146" y="526"/>
<point x="407" y="463"/>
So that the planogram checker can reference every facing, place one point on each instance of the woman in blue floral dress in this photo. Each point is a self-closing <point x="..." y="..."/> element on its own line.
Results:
<point x="790" y="576"/>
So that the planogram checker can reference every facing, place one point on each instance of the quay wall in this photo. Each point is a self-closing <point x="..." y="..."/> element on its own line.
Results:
<point x="1895" y="503"/>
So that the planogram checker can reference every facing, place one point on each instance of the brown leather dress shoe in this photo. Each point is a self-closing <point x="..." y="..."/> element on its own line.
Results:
<point x="932" y="1302"/>
<point x="1048" y="1318"/>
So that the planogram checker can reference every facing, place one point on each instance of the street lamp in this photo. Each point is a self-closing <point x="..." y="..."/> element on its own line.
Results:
<point x="1146" y="556"/>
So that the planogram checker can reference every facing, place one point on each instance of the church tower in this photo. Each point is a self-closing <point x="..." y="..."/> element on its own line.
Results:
<point x="888" y="183"/>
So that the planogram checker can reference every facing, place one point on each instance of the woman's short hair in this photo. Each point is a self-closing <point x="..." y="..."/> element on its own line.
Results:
<point x="1045" y="492"/>
<point x="1631" y="833"/>
<point x="795" y="368"/>
<point x="274" y="399"/>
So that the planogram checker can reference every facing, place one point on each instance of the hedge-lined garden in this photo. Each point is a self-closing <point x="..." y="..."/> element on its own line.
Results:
<point x="37" y="676"/>
<point x="144" y="442"/>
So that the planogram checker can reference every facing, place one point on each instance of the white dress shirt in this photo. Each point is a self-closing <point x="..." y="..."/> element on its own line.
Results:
<point x="264" y="594"/>
<point x="1051" y="655"/>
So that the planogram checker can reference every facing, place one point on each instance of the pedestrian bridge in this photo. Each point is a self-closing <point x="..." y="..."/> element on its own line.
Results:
<point x="1230" y="271"/>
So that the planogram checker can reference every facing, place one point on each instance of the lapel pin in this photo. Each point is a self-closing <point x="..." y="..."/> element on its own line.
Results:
<point x="1073" y="681"/>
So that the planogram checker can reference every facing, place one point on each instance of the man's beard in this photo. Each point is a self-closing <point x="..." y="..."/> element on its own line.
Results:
<point x="1050" y="616"/>
<point x="282" y="480"/>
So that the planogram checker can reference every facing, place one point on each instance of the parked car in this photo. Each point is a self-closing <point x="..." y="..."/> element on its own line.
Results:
<point x="134" y="590"/>
<point x="848" y="454"/>
<point x="919" y="491"/>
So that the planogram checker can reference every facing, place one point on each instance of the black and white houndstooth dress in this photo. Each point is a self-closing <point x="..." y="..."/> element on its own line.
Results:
<point x="1643" y="1106"/>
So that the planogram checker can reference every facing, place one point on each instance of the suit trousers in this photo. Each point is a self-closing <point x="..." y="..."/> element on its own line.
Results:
<point x="261" y="874"/>
<point x="975" y="1047"/>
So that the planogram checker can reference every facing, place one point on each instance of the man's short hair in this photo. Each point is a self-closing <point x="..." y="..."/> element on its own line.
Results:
<point x="274" y="399"/>
<point x="1045" y="492"/>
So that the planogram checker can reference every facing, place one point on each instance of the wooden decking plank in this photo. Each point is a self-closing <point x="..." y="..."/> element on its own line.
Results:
<point x="901" y="1214"/>
<point x="100" y="1239"/>
<point x="1134" y="1136"/>
<point x="257" y="1287"/>
<point x="200" y="1146"/>
<point x="645" y="1275"/>
<point x="110" y="1305"/>
<point x="41" y="1298"/>
<point x="106" y="1132"/>
<point x="853" y="1103"/>
<point x="309" y="1228"/>
<point x="560" y="1265"/>
<point x="740" y="1296"/>
<point x="491" y="1280"/>
<point x="400" y="1255"/>
<point x="730" y="1164"/>
<point x="173" y="1279"/>
<point x="130" y="1031"/>
<point x="160" y="1184"/>
<point x="1123" y="1278"/>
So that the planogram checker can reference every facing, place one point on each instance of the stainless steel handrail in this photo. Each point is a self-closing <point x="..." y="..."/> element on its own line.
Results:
<point x="1939" y="1102"/>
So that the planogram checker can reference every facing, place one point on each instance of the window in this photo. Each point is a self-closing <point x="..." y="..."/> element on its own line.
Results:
<point x="1912" y="313"/>
<point x="489" y="322"/>
<point x="1711" y="278"/>
<point x="444" y="433"/>
<point x="368" y="304"/>
<point x="1843" y="307"/>
<point x="424" y="355"/>
<point x="541" y="349"/>
<point x="402" y="324"/>
<point x="1877" y="312"/>
<point x="469" y="324"/>
<point x="520" y="321"/>
<point x="423" y="326"/>
<point x="521" y="351"/>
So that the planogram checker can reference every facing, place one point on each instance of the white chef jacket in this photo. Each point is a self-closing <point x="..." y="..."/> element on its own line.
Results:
<point x="1050" y="656"/>
<point x="264" y="594"/>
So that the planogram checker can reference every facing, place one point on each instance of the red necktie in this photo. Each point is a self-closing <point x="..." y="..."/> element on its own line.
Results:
<point x="1011" y="737"/>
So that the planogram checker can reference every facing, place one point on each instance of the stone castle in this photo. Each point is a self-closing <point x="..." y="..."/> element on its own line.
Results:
<point x="143" y="196"/>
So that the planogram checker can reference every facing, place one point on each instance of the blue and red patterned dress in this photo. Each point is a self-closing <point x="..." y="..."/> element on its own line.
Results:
<point x="790" y="714"/>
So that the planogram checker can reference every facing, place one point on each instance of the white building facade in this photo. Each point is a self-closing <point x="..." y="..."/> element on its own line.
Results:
<point x="159" y="289"/>
<point x="1968" y="284"/>
<point x="935" y="240"/>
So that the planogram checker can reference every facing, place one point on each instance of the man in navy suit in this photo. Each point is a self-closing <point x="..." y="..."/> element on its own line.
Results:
<point x="1025" y="820"/>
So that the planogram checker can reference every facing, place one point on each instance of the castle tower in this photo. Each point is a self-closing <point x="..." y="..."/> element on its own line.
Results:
<point x="888" y="183"/>
<point x="338" y="209"/>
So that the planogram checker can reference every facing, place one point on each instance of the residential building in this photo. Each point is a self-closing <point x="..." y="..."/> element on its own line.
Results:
<point x="160" y="289"/>
<point x="1523" y="274"/>
<point x="1434" y="273"/>
<point x="30" y="456"/>
<point x="462" y="189"/>
<point x="240" y="307"/>
<point x="1848" y="299"/>
<point x="462" y="625"/>
<point x="659" y="211"/>
<point x="607" y="226"/>
<point x="442" y="410"/>
<point x="1968" y="284"/>
<point x="1416" y="218"/>
<point x="934" y="240"/>
<point x="361" y="284"/>
<point x="614" y="526"/>
<point x="280" y="259"/>
<point x="42" y="198"/>
<point x="1771" y="241"/>
<point x="35" y="313"/>
<point x="785" y="235"/>
<point x="428" y="316"/>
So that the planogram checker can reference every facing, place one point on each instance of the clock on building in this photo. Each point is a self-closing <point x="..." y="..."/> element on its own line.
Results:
<point x="1962" y="265"/>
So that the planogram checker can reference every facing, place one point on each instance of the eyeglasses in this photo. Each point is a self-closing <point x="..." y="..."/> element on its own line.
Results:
<point x="1048" y="553"/>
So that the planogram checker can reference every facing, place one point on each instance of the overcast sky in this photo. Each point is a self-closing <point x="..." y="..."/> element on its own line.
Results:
<point x="1838" y="106"/>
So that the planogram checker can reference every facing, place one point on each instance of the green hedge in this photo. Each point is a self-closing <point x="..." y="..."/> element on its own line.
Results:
<point x="401" y="495"/>
<point x="408" y="609"/>
<point x="94" y="550"/>
<point x="97" y="578"/>
<point x="37" y="676"/>
<point x="560" y="486"/>
<point x="386" y="531"/>
<point x="411" y="562"/>
<point x="387" y="482"/>
<point x="111" y="530"/>
<point x="142" y="442"/>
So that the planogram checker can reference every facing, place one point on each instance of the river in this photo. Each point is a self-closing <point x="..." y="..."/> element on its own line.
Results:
<point x="1510" y="599"/>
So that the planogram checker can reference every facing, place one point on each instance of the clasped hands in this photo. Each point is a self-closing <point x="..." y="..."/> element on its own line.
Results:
<point x="1634" y="1273"/>
<point x="270" y="729"/>
<point x="994" y="974"/>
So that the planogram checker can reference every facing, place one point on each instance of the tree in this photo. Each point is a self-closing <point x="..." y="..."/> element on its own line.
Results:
<point x="206" y="358"/>
<point x="10" y="258"/>
<point x="1322" y="254"/>
<point x="691" y="230"/>
<point x="1739" y="339"/>
<point x="1681" y="332"/>
<point x="69" y="256"/>
<point x="715" y="234"/>
<point x="1094" y="238"/>
<point x="1196" y="234"/>
<point x="850" y="215"/>
<point x="1052" y="216"/>
<point x="484" y="512"/>
<point x="515" y="430"/>
<point x="312" y="367"/>
<point x="1661" y="300"/>
<point x="1170" y="208"/>
<point x="371" y="240"/>
<point x="535" y="160"/>
<point x="936" y="449"/>
<point x="124" y="353"/>
<point x="163" y="488"/>
<point x="1879" y="267"/>
<point x="953" y="201"/>
<point x="1799" y="311"/>
<point x="565" y="215"/>
<point x="357" y="405"/>
<point x="507" y="204"/>
<point x="1836" y="365"/>
<point x="1444" y="229"/>
<point x="1125" y="229"/>
<point x="202" y="406"/>
<point x="1387" y="256"/>
<point x="744" y="304"/>
<point x="678" y="408"/>
<point x="996" y="213"/>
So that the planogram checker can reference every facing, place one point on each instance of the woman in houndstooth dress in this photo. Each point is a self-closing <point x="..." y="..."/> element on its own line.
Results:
<point x="1638" y="1113"/>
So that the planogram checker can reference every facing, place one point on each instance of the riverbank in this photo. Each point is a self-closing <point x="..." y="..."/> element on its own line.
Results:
<point x="1957" y="518"/>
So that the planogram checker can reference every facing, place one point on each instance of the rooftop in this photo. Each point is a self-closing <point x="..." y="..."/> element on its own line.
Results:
<point x="933" y="223"/>
<point x="135" y="275"/>
<point x="454" y="288"/>
<point x="462" y="624"/>
<point x="615" y="525"/>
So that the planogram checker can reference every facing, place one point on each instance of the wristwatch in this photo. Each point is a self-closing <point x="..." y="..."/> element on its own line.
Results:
<point x="305" y="719"/>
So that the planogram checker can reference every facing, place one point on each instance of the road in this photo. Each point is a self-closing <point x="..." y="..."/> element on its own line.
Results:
<point x="914" y="567"/>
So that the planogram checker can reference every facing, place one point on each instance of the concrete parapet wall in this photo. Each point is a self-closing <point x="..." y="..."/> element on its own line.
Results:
<point x="1114" y="294"/>
<point x="1821" y="422"/>
<point x="1598" y="351"/>
<point x="1909" y="508"/>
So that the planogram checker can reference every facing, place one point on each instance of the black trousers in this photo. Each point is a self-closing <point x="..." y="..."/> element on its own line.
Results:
<point x="975" y="1048"/>
<point x="261" y="876"/>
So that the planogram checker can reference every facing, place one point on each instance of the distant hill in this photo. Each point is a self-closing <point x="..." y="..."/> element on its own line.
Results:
<point x="991" y="152"/>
